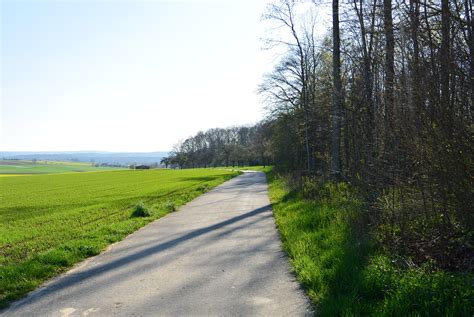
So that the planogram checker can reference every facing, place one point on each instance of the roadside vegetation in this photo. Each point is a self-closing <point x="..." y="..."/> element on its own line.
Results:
<point x="257" y="168"/>
<point x="343" y="268"/>
<point x="50" y="222"/>
<point x="24" y="167"/>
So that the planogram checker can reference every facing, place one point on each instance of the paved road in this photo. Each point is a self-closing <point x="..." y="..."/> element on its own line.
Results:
<point x="219" y="255"/>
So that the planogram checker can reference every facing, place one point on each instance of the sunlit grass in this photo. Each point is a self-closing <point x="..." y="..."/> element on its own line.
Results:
<point x="331" y="253"/>
<point x="258" y="168"/>
<point x="50" y="222"/>
<point x="10" y="175"/>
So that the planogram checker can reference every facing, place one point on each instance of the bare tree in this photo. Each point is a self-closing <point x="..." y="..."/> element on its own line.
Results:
<point x="337" y="102"/>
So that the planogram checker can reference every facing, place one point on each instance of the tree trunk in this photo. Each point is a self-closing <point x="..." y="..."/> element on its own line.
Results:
<point x="445" y="58"/>
<point x="470" y="38"/>
<point x="416" y="86"/>
<point x="389" y="61"/>
<point x="369" y="127"/>
<point x="337" y="102"/>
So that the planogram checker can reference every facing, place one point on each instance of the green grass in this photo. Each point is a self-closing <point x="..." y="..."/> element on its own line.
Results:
<point x="76" y="163"/>
<point x="19" y="167"/>
<point x="341" y="270"/>
<point x="251" y="168"/>
<point x="50" y="222"/>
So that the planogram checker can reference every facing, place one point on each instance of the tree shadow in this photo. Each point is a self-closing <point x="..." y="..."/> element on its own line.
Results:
<point x="69" y="280"/>
<point x="200" y="179"/>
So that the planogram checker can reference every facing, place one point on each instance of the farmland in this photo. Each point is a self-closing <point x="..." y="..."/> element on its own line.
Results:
<point x="49" y="222"/>
<point x="22" y="167"/>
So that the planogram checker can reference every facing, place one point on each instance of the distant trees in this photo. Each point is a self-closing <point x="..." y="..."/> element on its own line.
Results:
<point x="290" y="91"/>
<point x="166" y="161"/>
<point x="222" y="147"/>
<point x="108" y="165"/>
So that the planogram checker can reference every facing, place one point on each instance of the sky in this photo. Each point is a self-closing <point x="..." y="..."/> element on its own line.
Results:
<point x="127" y="75"/>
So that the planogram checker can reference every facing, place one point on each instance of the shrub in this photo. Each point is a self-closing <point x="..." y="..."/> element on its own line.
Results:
<point x="170" y="206"/>
<point x="140" y="211"/>
<point x="203" y="188"/>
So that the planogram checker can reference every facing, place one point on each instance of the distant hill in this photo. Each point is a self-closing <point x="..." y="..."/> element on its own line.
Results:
<point x="121" y="158"/>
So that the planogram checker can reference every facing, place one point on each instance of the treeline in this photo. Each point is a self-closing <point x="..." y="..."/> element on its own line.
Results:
<point x="384" y="101"/>
<point x="236" y="146"/>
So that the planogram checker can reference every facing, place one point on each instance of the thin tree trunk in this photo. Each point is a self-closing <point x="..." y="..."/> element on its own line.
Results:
<point x="369" y="130"/>
<point x="389" y="60"/>
<point x="337" y="102"/>
<point x="470" y="30"/>
<point x="416" y="86"/>
<point x="445" y="58"/>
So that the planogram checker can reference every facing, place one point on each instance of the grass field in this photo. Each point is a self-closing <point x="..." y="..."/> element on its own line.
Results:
<point x="344" y="274"/>
<point x="19" y="167"/>
<point x="50" y="222"/>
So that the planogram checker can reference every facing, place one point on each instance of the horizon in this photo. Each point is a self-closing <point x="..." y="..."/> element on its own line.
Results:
<point x="83" y="151"/>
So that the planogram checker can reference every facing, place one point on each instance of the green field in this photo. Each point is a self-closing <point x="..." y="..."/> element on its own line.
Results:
<point x="49" y="222"/>
<point x="21" y="167"/>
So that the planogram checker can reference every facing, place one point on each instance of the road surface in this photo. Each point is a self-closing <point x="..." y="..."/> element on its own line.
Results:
<point x="219" y="255"/>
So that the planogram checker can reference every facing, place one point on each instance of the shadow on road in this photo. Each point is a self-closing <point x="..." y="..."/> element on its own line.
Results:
<point x="77" y="278"/>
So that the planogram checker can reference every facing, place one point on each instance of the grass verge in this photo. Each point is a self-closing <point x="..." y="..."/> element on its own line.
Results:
<point x="343" y="272"/>
<point x="50" y="222"/>
<point x="258" y="168"/>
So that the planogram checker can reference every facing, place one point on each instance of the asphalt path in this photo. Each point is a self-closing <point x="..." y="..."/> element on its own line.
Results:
<point x="219" y="255"/>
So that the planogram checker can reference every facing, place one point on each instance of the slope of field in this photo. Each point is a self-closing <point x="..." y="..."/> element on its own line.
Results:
<point x="17" y="167"/>
<point x="49" y="222"/>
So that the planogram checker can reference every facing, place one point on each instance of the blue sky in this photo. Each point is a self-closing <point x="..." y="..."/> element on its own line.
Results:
<point x="127" y="75"/>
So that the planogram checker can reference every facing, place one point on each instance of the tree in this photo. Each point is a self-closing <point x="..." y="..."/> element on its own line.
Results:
<point x="337" y="99"/>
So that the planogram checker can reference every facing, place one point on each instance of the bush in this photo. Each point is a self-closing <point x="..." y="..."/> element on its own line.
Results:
<point x="328" y="191"/>
<point x="140" y="211"/>
<point x="170" y="206"/>
<point x="411" y="226"/>
<point x="203" y="188"/>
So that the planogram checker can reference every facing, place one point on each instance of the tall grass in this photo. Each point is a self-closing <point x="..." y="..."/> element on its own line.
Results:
<point x="344" y="273"/>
